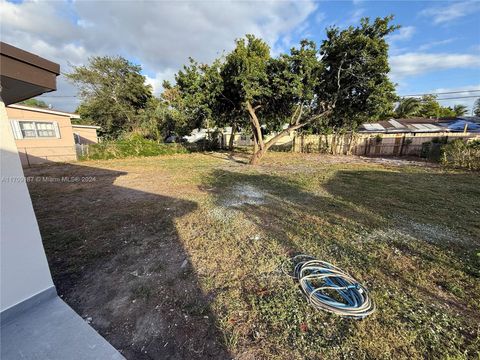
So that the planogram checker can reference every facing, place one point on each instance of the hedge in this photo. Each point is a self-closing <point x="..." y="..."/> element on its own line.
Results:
<point x="137" y="147"/>
<point x="462" y="154"/>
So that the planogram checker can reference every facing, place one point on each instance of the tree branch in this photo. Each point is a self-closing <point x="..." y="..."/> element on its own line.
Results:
<point x="300" y="114"/>
<point x="293" y="115"/>
<point x="256" y="125"/>
<point x="338" y="81"/>
<point x="294" y="127"/>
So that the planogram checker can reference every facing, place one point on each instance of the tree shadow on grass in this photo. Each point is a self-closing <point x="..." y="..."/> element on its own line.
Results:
<point x="290" y="222"/>
<point x="429" y="207"/>
<point x="437" y="208"/>
<point x="117" y="259"/>
<point x="337" y="226"/>
<point x="283" y="204"/>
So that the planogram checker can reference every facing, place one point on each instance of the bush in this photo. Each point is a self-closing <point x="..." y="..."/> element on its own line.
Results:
<point x="462" y="154"/>
<point x="132" y="147"/>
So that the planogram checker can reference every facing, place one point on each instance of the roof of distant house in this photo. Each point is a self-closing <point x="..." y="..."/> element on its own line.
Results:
<point x="475" y="119"/>
<point x="46" y="111"/>
<point x="403" y="125"/>
<point x="85" y="126"/>
<point x="419" y="125"/>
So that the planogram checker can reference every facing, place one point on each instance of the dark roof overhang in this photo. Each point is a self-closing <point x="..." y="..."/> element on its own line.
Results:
<point x="24" y="75"/>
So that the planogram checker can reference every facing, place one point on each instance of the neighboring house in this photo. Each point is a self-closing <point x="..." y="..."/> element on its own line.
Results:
<point x="391" y="137"/>
<point x="394" y="137"/>
<point x="44" y="135"/>
<point x="244" y="138"/>
<point x="420" y="125"/>
<point x="85" y="134"/>
<point x="199" y="134"/>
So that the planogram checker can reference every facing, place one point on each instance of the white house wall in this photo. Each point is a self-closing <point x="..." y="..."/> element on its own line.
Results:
<point x="24" y="269"/>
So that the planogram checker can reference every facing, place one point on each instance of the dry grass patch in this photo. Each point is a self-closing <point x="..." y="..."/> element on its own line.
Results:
<point x="179" y="256"/>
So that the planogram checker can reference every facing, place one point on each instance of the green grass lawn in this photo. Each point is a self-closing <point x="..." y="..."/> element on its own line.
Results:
<point x="178" y="256"/>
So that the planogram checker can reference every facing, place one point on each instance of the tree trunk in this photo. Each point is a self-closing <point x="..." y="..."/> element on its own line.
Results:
<point x="257" y="155"/>
<point x="260" y="148"/>
<point x="232" y="137"/>
<point x="255" y="141"/>
<point x="256" y="128"/>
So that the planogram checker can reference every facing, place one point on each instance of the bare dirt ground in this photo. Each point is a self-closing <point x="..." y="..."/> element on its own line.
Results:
<point x="177" y="257"/>
<point x="118" y="261"/>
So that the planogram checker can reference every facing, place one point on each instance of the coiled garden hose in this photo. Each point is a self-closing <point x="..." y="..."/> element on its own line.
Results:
<point x="329" y="288"/>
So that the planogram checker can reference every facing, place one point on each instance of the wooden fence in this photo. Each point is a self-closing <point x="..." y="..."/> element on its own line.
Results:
<point x="405" y="144"/>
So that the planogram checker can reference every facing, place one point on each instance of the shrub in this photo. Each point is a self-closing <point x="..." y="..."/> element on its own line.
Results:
<point x="463" y="154"/>
<point x="132" y="147"/>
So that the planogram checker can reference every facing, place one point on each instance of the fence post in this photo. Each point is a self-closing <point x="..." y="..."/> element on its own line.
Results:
<point x="401" y="146"/>
<point x="26" y="156"/>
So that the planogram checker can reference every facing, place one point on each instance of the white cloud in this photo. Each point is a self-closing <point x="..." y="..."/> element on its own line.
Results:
<point x="320" y="17"/>
<point x="356" y="16"/>
<point x="157" y="80"/>
<point x="465" y="91"/>
<point x="435" y="44"/>
<point x="404" y="33"/>
<point x="453" y="11"/>
<point x="418" y="63"/>
<point x="159" y="35"/>
<point x="476" y="48"/>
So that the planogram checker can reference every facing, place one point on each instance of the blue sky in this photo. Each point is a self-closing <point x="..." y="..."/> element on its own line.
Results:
<point x="425" y="28"/>
<point x="436" y="50"/>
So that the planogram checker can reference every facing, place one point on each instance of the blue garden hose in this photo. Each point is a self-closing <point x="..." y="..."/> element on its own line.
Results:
<point x="320" y="281"/>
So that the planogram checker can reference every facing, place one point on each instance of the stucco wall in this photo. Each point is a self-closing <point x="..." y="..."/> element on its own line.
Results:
<point x="38" y="150"/>
<point x="245" y="139"/>
<point x="87" y="135"/>
<point x="24" y="269"/>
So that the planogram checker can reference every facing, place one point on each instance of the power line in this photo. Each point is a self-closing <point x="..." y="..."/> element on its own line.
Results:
<point x="459" y="97"/>
<point x="441" y="93"/>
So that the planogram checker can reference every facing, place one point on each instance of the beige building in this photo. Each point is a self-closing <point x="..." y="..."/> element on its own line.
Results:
<point x="85" y="134"/>
<point x="44" y="135"/>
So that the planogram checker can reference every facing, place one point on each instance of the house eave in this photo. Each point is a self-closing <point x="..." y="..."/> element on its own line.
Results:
<point x="45" y="111"/>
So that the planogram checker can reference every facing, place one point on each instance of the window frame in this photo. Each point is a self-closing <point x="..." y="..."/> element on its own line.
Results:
<point x="52" y="130"/>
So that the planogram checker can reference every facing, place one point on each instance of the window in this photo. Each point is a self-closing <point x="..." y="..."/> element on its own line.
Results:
<point x="28" y="129"/>
<point x="45" y="129"/>
<point x="34" y="129"/>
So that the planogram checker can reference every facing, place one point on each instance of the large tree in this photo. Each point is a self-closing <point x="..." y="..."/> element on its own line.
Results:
<point x="342" y="87"/>
<point x="356" y="62"/>
<point x="408" y="107"/>
<point x="113" y="93"/>
<point x="35" y="103"/>
<point x="460" y="110"/>
<point x="336" y="86"/>
<point x="431" y="108"/>
<point x="427" y="107"/>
